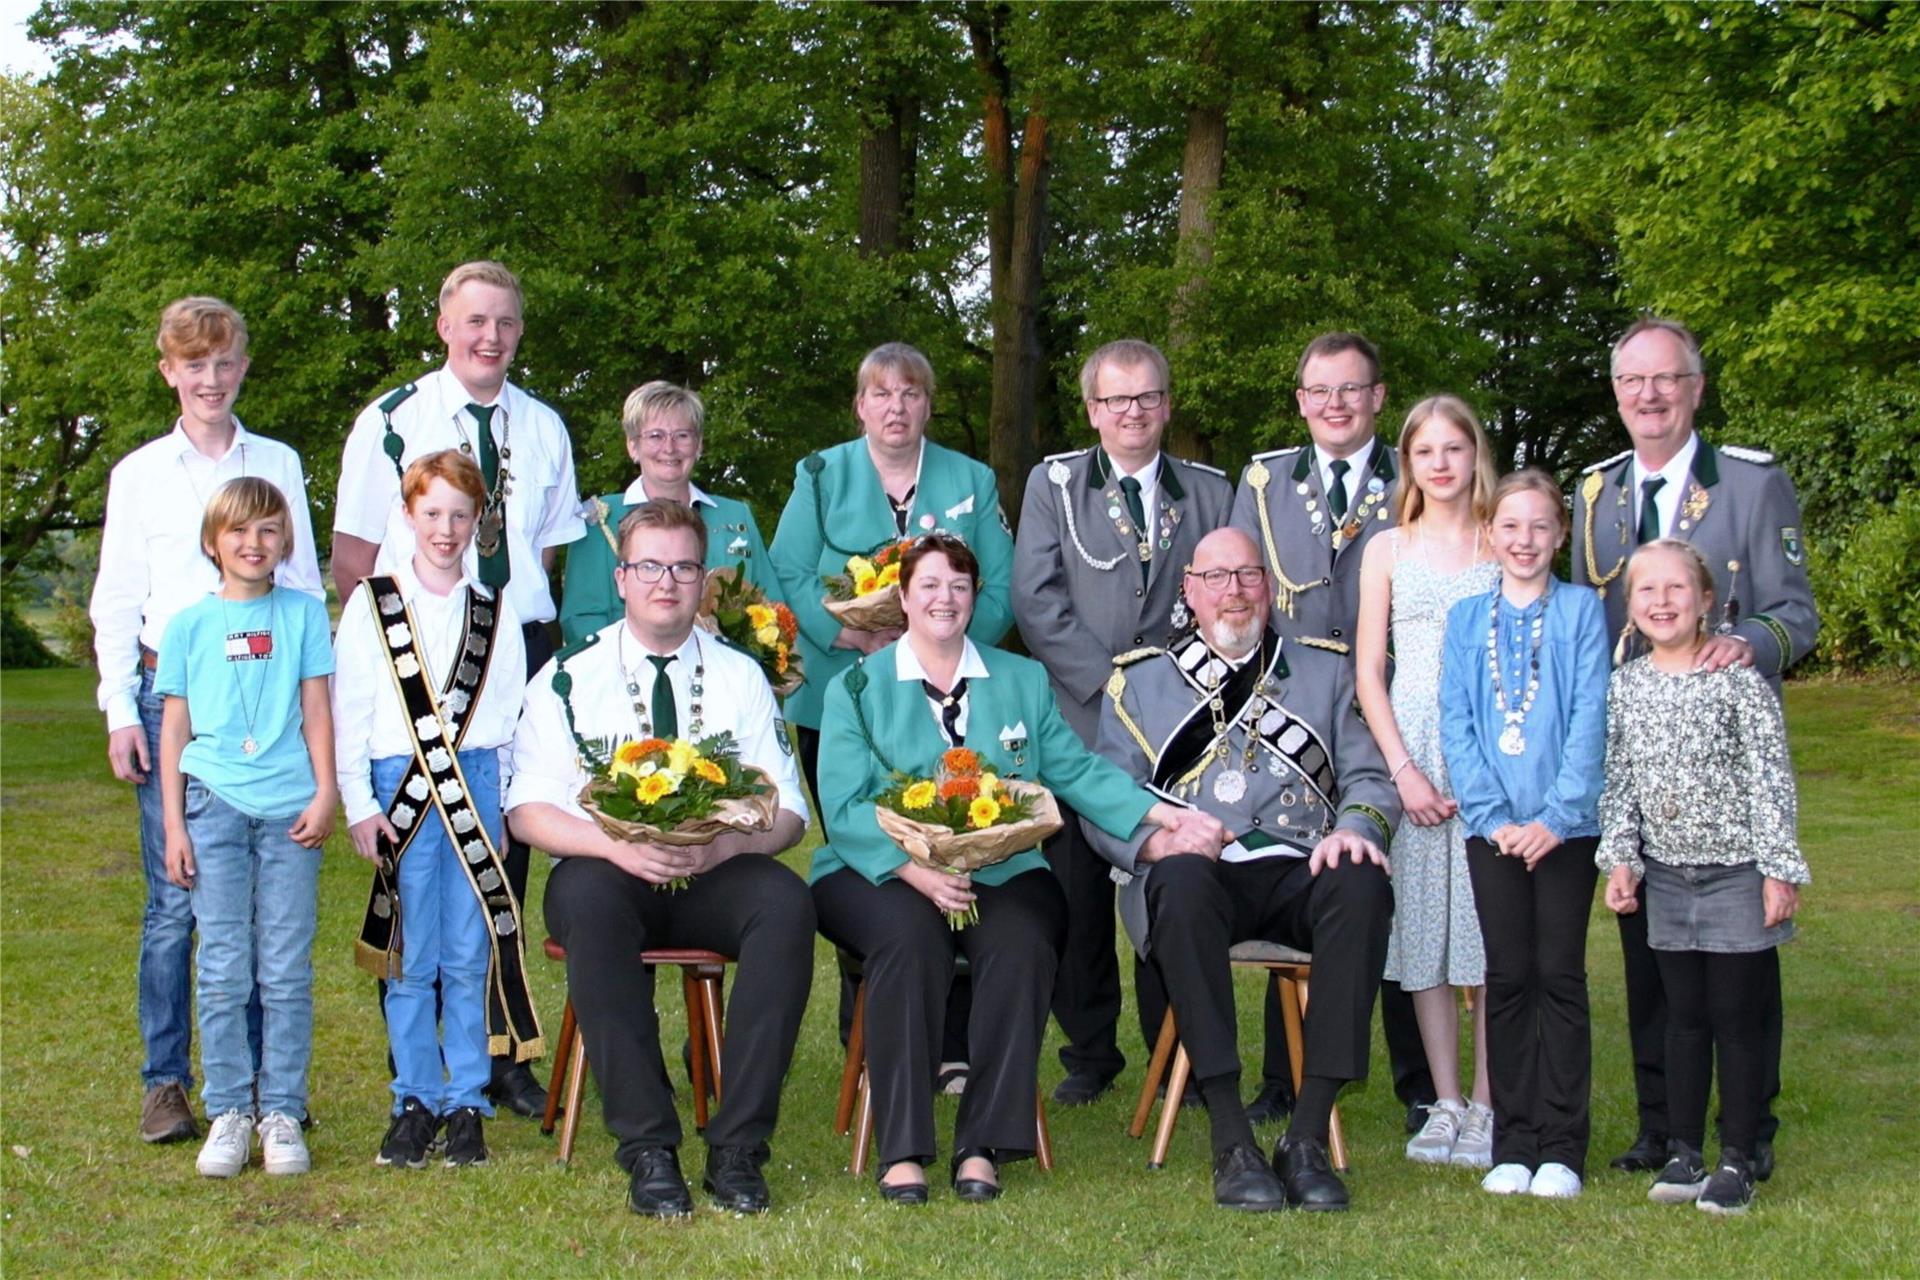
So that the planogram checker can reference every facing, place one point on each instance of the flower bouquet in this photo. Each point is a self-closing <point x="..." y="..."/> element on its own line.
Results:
<point x="732" y="607"/>
<point x="867" y="596"/>
<point x="676" y="792"/>
<point x="962" y="819"/>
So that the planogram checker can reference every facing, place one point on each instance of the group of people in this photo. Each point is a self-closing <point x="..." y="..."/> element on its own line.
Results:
<point x="1344" y="706"/>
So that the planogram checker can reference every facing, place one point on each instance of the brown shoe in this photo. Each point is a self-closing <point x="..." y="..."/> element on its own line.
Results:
<point x="165" y="1115"/>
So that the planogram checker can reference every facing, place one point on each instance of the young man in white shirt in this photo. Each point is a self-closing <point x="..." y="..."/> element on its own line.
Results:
<point x="151" y="567"/>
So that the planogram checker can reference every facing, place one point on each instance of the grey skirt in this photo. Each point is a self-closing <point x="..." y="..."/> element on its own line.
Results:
<point x="1711" y="908"/>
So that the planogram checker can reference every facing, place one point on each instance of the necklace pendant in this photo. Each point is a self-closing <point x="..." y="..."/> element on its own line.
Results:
<point x="248" y="746"/>
<point x="1230" y="786"/>
<point x="1512" y="741"/>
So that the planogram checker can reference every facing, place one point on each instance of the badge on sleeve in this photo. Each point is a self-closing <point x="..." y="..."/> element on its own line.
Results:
<point x="1791" y="546"/>
<point x="780" y="735"/>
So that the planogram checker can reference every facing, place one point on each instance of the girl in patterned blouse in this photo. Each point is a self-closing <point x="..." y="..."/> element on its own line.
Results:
<point x="1699" y="803"/>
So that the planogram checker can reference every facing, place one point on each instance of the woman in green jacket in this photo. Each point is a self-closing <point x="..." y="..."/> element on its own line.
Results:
<point x="900" y="709"/>
<point x="665" y="426"/>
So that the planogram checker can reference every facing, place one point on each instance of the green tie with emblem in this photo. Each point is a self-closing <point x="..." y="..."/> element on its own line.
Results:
<point x="1130" y="489"/>
<point x="495" y="567"/>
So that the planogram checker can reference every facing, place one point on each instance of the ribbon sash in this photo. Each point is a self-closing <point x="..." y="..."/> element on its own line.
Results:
<point x="1284" y="736"/>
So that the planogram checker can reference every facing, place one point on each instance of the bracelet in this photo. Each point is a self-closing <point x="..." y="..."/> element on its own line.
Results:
<point x="1395" y="775"/>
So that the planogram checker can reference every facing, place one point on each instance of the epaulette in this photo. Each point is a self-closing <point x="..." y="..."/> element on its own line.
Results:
<point x="1070" y="453"/>
<point x="1277" y="453"/>
<point x="1758" y="456"/>
<point x="397" y="398"/>
<point x="579" y="646"/>
<point x="1331" y="646"/>
<point x="1603" y="465"/>
<point x="1132" y="656"/>
<point x="1201" y="466"/>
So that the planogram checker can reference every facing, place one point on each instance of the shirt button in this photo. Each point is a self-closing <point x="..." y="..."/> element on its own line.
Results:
<point x="1139" y="640"/>
<point x="1326" y="582"/>
<point x="1336" y="633"/>
<point x="1256" y="822"/>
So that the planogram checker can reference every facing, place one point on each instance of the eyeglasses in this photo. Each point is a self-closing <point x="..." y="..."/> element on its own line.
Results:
<point x="1318" y="395"/>
<point x="1664" y="383"/>
<point x="1120" y="404"/>
<point x="655" y="439"/>
<point x="1247" y="575"/>
<point x="683" y="571"/>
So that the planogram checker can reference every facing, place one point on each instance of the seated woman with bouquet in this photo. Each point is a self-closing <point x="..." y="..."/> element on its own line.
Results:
<point x="928" y="719"/>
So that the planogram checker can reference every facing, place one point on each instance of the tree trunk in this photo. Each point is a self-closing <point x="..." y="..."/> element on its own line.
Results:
<point x="1201" y="166"/>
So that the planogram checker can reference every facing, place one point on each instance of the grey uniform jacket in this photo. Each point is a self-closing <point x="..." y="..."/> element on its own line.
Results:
<point x="1740" y="512"/>
<point x="1315" y="767"/>
<point x="1078" y="593"/>
<point x="1314" y="559"/>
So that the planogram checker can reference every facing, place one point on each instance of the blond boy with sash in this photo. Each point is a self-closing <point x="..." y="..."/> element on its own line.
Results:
<point x="430" y="674"/>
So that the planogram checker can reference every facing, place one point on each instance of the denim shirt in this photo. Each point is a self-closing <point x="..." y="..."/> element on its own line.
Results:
<point x="1557" y="779"/>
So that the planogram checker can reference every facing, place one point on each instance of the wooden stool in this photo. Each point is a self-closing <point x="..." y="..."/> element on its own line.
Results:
<point x="700" y="980"/>
<point x="856" y="1097"/>
<point x="1291" y="970"/>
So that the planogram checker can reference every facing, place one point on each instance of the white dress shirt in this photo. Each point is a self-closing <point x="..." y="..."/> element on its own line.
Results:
<point x="637" y="493"/>
<point x="543" y="505"/>
<point x="369" y="721"/>
<point x="735" y="698"/>
<point x="906" y="666"/>
<point x="1357" y="467"/>
<point x="1667" y="501"/>
<point x="1149" y="478"/>
<point x="151" y="564"/>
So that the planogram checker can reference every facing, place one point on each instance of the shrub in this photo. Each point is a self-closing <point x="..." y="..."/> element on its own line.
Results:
<point x="1867" y="587"/>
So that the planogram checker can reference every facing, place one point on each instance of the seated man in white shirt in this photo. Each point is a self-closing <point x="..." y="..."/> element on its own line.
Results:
<point x="151" y="567"/>
<point x="652" y="674"/>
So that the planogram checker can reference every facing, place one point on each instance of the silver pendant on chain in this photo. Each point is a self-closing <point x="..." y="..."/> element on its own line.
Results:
<point x="248" y="746"/>
<point x="1230" y="786"/>
<point x="1512" y="741"/>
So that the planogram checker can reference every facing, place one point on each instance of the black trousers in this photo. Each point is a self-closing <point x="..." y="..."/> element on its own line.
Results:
<point x="1647" y="1028"/>
<point x="1717" y="1009"/>
<point x="751" y="908"/>
<point x="1197" y="908"/>
<point x="907" y="952"/>
<point x="1539" y="1032"/>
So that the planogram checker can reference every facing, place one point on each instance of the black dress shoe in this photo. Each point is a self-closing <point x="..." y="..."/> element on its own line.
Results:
<point x="901" y="1192"/>
<point x="1272" y="1104"/>
<point x="1307" y="1174"/>
<point x="1762" y="1160"/>
<point x="656" y="1188"/>
<point x="974" y="1190"/>
<point x="1648" y="1152"/>
<point x="517" y="1091"/>
<point x="1417" y="1116"/>
<point x="1080" y="1088"/>
<point x="1242" y="1180"/>
<point x="734" y="1179"/>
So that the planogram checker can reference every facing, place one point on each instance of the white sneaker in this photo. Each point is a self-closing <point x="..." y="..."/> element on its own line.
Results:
<point x="1555" y="1182"/>
<point x="282" y="1148"/>
<point x="1473" y="1149"/>
<point x="1434" y="1143"/>
<point x="229" y="1143"/>
<point x="1510" y="1180"/>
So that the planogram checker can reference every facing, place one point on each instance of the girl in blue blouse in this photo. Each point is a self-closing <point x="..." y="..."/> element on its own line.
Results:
<point x="1523" y="697"/>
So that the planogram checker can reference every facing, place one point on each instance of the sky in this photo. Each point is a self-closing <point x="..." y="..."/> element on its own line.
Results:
<point x="18" y="54"/>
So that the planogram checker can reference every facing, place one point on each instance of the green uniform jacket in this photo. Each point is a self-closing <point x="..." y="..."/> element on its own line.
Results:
<point x="838" y="509"/>
<point x="588" y="601"/>
<point x="1013" y="724"/>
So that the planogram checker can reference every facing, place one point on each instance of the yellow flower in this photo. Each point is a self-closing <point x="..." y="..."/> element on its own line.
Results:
<point x="865" y="583"/>
<point x="767" y="635"/>
<point x="653" y="787"/>
<point x="982" y="812"/>
<point x="711" y="772"/>
<point x="918" y="796"/>
<point x="759" y="616"/>
<point x="859" y="567"/>
<point x="890" y="575"/>
<point x="989" y="784"/>
<point x="680" y="756"/>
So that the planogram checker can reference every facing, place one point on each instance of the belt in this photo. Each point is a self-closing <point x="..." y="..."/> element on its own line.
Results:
<point x="149" y="659"/>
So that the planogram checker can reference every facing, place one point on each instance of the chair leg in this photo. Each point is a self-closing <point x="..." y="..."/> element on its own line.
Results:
<point x="1042" y="1140"/>
<point x="1294" y="1020"/>
<point x="1170" y="1109"/>
<point x="856" y="1055"/>
<point x="576" y="1089"/>
<point x="562" y="1050"/>
<point x="1156" y="1068"/>
<point x="696" y="1000"/>
<point x="713" y="1008"/>
<point x="863" y="1127"/>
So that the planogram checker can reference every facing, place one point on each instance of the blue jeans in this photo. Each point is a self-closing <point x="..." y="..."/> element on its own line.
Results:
<point x="444" y="941"/>
<point x="256" y="904"/>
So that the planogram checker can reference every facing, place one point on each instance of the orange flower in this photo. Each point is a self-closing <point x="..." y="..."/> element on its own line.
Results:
<point x="780" y="660"/>
<point x="629" y="753"/>
<point x="711" y="772"/>
<point x="788" y="624"/>
<point x="649" y="746"/>
<point x="960" y="760"/>
<point x="964" y="787"/>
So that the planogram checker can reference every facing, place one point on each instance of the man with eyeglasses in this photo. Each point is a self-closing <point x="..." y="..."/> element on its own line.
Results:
<point x="1740" y="511"/>
<point x="1312" y="509"/>
<point x="1104" y="532"/>
<point x="653" y="674"/>
<point x="1264" y="736"/>
<point x="532" y="507"/>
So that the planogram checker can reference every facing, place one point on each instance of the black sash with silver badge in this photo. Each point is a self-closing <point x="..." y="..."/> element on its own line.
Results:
<point x="434" y="783"/>
<point x="1285" y="737"/>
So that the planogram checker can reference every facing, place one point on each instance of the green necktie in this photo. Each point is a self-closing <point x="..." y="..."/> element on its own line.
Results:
<point x="489" y="456"/>
<point x="496" y="570"/>
<point x="1130" y="488"/>
<point x="666" y="719"/>
<point x="1337" y="491"/>
<point x="1649" y="509"/>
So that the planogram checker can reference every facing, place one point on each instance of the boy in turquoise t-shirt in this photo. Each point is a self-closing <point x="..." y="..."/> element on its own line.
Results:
<point x="248" y="791"/>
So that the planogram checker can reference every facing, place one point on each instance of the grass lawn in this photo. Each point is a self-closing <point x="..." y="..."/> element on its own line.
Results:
<point x="81" y="1194"/>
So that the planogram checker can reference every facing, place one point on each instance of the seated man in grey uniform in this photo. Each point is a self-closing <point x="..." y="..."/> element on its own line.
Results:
<point x="1265" y="737"/>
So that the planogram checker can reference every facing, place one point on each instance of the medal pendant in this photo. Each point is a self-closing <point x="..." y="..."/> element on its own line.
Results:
<point x="1512" y="741"/>
<point x="1230" y="786"/>
<point x="486" y="538"/>
<point x="248" y="746"/>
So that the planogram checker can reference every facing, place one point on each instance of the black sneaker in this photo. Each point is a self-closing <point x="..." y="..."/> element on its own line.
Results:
<point x="410" y="1136"/>
<point x="1683" y="1178"/>
<point x="1730" y="1189"/>
<point x="466" y="1139"/>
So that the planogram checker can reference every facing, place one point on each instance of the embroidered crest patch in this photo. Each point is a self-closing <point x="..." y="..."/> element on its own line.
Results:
<point x="1791" y="546"/>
